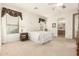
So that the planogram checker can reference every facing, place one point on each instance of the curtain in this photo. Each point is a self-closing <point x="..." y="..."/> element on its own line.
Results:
<point x="11" y="12"/>
<point x="41" y="20"/>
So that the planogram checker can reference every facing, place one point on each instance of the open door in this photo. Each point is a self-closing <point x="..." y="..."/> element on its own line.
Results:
<point x="61" y="28"/>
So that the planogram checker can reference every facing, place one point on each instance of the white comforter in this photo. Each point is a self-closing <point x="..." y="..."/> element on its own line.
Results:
<point x="41" y="36"/>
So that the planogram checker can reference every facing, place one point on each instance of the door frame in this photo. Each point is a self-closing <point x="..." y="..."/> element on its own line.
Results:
<point x="64" y="32"/>
<point x="73" y="31"/>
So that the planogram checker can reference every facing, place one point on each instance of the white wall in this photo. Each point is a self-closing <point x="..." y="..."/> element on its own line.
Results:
<point x="68" y="17"/>
<point x="30" y="22"/>
<point x="69" y="26"/>
<point x="50" y="21"/>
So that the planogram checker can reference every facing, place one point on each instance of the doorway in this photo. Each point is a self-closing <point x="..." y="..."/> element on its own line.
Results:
<point x="61" y="28"/>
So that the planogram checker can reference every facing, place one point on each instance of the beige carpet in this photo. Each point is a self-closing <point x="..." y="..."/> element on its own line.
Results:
<point x="57" y="47"/>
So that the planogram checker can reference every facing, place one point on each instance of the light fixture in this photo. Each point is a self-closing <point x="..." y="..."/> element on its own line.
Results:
<point x="59" y="4"/>
<point x="35" y="7"/>
<point x="51" y="4"/>
<point x="53" y="9"/>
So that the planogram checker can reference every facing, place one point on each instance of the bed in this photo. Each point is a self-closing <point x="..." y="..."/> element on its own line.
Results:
<point x="40" y="36"/>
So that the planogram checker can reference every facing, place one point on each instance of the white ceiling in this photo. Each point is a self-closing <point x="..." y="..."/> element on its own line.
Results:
<point x="46" y="9"/>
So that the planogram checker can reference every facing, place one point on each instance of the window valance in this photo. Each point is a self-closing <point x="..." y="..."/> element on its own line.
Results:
<point x="40" y="19"/>
<point x="11" y="12"/>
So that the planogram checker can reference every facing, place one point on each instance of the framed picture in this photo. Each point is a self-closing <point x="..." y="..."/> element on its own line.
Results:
<point x="53" y="25"/>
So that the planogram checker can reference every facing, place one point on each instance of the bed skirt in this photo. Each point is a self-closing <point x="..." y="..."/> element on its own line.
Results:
<point x="40" y="37"/>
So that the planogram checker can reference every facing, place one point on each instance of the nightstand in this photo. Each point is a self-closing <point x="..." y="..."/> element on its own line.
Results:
<point x="24" y="36"/>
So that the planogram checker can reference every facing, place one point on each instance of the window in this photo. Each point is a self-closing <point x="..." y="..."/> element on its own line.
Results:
<point x="12" y="24"/>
